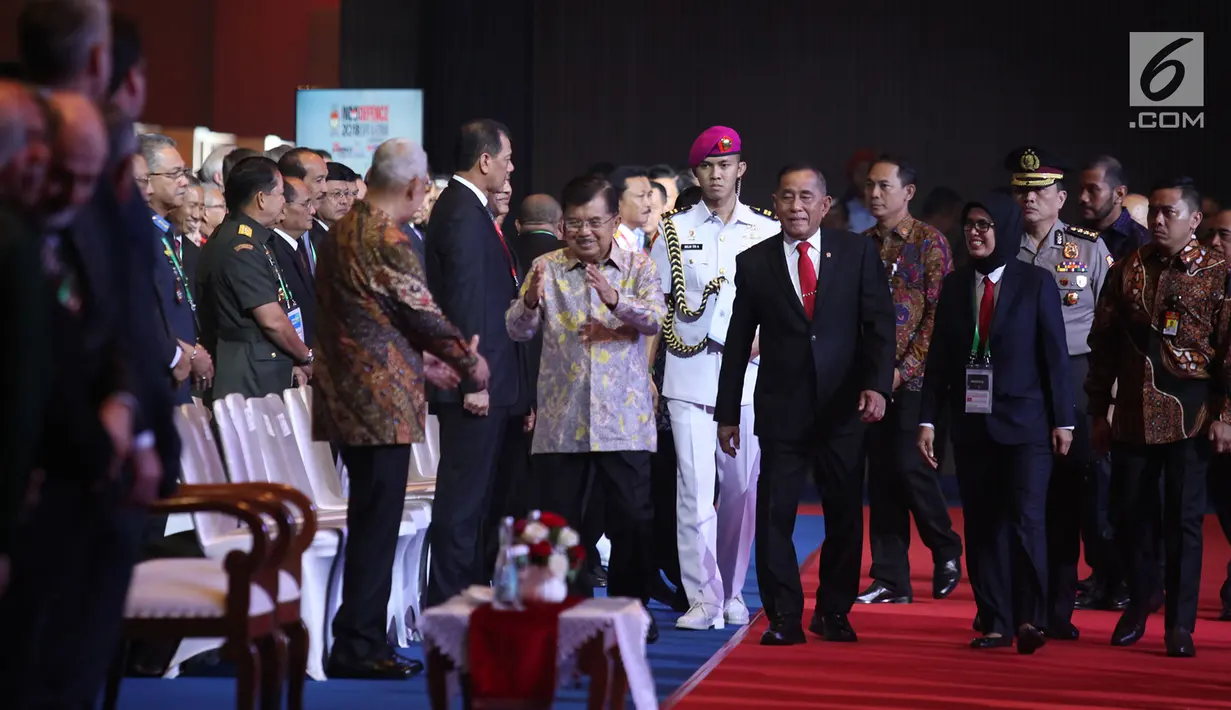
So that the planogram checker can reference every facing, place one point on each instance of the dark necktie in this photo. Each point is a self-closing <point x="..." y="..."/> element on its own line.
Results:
<point x="305" y="250"/>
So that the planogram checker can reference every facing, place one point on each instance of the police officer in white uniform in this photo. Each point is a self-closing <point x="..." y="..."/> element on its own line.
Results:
<point x="1079" y="261"/>
<point x="696" y="258"/>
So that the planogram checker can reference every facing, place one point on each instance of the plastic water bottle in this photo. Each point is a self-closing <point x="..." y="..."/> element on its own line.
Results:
<point x="505" y="582"/>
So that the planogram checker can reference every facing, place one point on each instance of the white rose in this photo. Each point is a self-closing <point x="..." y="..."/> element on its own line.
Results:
<point x="567" y="537"/>
<point x="535" y="532"/>
<point x="557" y="564"/>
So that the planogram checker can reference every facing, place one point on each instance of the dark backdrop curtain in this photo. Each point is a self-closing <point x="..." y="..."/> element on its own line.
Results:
<point x="951" y="85"/>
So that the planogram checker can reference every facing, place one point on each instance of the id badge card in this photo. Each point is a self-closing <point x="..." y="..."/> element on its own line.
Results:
<point x="1171" y="323"/>
<point x="978" y="390"/>
<point x="296" y="317"/>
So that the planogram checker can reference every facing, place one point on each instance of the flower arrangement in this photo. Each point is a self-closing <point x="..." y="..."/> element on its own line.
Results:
<point x="553" y="558"/>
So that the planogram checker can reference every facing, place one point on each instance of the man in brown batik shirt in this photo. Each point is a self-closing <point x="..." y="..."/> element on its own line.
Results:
<point x="1161" y="329"/>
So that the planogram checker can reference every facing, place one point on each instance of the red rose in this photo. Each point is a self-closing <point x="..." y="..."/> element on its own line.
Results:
<point x="540" y="551"/>
<point x="552" y="520"/>
<point x="519" y="527"/>
<point x="577" y="554"/>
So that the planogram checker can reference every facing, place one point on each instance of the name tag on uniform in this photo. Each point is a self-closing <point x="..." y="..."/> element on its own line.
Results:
<point x="296" y="316"/>
<point x="692" y="246"/>
<point x="978" y="390"/>
<point x="1171" y="323"/>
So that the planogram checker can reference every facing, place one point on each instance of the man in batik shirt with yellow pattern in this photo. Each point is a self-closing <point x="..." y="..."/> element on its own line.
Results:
<point x="378" y="334"/>
<point x="916" y="258"/>
<point x="1160" y="328"/>
<point x="596" y="305"/>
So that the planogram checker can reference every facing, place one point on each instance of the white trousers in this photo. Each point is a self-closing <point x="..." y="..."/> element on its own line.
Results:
<point x="714" y="544"/>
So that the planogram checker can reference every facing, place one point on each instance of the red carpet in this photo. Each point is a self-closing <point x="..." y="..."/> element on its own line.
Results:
<point x="916" y="656"/>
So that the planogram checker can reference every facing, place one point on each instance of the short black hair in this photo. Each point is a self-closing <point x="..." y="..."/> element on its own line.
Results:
<point x="288" y="190"/>
<point x="126" y="49"/>
<point x="907" y="174"/>
<point x="1113" y="171"/>
<point x="1188" y="190"/>
<point x="657" y="172"/>
<point x="291" y="162"/>
<point x="234" y="157"/>
<point x="337" y="172"/>
<point x="323" y="153"/>
<point x="939" y="201"/>
<point x="804" y="167"/>
<point x="620" y="176"/>
<point x="658" y="187"/>
<point x="54" y="38"/>
<point x="477" y="137"/>
<point x="249" y="176"/>
<point x="581" y="190"/>
<point x="688" y="197"/>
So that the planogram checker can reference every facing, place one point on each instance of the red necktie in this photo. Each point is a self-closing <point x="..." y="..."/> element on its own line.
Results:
<point x="987" y="305"/>
<point x="807" y="278"/>
<point x="507" y="253"/>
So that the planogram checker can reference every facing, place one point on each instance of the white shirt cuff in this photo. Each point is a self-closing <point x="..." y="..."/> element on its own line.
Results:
<point x="144" y="441"/>
<point x="929" y="426"/>
<point x="1067" y="428"/>
<point x="179" y="353"/>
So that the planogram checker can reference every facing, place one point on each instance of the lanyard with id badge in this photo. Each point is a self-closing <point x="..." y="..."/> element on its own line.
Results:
<point x="293" y="311"/>
<point x="979" y="378"/>
<point x="1171" y="316"/>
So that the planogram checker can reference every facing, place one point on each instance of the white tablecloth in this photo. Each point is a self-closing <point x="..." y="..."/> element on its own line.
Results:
<point x="622" y="623"/>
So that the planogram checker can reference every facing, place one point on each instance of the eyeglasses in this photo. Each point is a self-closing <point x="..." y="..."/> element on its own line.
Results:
<point x="341" y="194"/>
<point x="980" y="226"/>
<point x="173" y="174"/>
<point x="594" y="223"/>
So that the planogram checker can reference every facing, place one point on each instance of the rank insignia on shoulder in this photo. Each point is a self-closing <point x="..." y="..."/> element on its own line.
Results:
<point x="241" y="247"/>
<point x="677" y="210"/>
<point x="245" y="230"/>
<point x="764" y="212"/>
<point x="1082" y="233"/>
<point x="1110" y="260"/>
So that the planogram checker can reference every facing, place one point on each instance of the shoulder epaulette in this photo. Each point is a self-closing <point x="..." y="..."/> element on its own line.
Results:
<point x="1082" y="233"/>
<point x="677" y="210"/>
<point x="764" y="212"/>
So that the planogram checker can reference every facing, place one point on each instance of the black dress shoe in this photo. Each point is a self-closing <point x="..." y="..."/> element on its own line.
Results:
<point x="1117" y="597"/>
<point x="782" y="632"/>
<point x="1062" y="632"/>
<point x="1029" y="640"/>
<point x="878" y="593"/>
<point x="977" y="624"/>
<point x="1093" y="599"/>
<point x="945" y="578"/>
<point x="833" y="627"/>
<point x="1129" y="629"/>
<point x="986" y="642"/>
<point x="1180" y="643"/>
<point x="1225" y="615"/>
<point x="651" y="634"/>
<point x="375" y="669"/>
<point x="1088" y="584"/>
<point x="598" y="576"/>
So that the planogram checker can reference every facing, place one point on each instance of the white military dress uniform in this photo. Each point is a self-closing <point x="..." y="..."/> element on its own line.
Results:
<point x="714" y="545"/>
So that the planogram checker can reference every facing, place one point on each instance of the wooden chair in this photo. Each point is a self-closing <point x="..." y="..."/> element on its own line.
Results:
<point x="251" y="599"/>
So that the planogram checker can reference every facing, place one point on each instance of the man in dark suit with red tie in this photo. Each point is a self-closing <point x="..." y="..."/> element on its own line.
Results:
<point x="472" y="274"/>
<point x="820" y="299"/>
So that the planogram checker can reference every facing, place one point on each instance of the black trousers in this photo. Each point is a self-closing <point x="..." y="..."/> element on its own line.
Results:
<point x="1066" y="504"/>
<point x="623" y="477"/>
<point x="901" y="483"/>
<point x="467" y="481"/>
<point x="1004" y="501"/>
<point x="662" y="486"/>
<point x="62" y="614"/>
<point x="1138" y="509"/>
<point x="834" y="462"/>
<point x="513" y="491"/>
<point x="373" y="516"/>
<point x="1220" y="500"/>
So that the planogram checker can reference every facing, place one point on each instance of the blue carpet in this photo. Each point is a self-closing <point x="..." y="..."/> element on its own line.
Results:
<point x="676" y="656"/>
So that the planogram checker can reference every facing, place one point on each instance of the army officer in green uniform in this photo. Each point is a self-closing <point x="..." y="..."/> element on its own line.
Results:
<point x="1078" y="260"/>
<point x="250" y="321"/>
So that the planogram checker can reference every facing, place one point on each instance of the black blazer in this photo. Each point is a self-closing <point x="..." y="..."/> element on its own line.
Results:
<point x="811" y="373"/>
<point x="528" y="247"/>
<point x="318" y="234"/>
<point x="190" y="256"/>
<point x="471" y="277"/>
<point x="1030" y="375"/>
<point x="299" y="279"/>
<point x="415" y="235"/>
<point x="176" y="313"/>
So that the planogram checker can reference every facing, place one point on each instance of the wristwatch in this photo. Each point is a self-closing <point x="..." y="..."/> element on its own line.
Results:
<point x="309" y="359"/>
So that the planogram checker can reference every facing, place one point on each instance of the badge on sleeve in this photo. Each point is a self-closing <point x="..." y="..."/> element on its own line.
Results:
<point x="1110" y="261"/>
<point x="241" y="247"/>
<point x="245" y="230"/>
<point x="1171" y="322"/>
